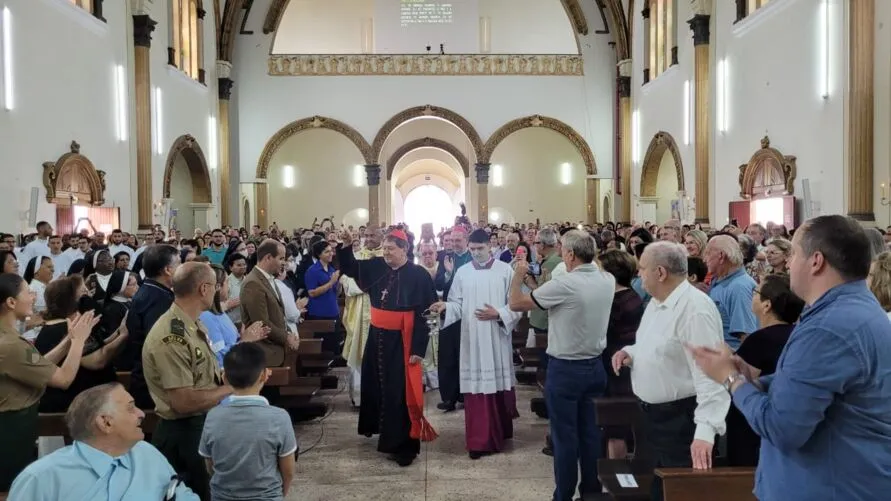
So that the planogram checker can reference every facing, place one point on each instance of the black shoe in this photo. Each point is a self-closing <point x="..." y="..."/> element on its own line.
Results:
<point x="475" y="455"/>
<point x="547" y="451"/>
<point x="446" y="406"/>
<point x="404" y="461"/>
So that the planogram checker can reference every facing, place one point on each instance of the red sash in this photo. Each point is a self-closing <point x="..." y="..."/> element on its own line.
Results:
<point x="404" y="321"/>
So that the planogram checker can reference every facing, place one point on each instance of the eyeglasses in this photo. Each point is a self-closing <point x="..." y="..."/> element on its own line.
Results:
<point x="756" y="291"/>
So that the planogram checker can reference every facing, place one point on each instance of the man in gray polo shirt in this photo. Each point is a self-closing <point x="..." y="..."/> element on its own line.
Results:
<point x="578" y="305"/>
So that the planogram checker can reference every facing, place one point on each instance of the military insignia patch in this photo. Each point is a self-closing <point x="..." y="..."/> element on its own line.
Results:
<point x="33" y="355"/>
<point x="174" y="339"/>
<point x="198" y="353"/>
<point x="177" y="327"/>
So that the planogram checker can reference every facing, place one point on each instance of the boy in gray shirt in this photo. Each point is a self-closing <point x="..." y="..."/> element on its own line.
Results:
<point x="249" y="446"/>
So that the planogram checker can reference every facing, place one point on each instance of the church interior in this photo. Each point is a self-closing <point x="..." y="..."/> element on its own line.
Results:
<point x="190" y="116"/>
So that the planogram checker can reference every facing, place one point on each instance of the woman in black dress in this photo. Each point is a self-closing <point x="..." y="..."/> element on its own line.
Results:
<point x="777" y="309"/>
<point x="621" y="331"/>
<point x="63" y="297"/>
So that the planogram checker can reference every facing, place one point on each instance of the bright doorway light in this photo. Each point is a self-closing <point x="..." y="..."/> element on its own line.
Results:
<point x="429" y="204"/>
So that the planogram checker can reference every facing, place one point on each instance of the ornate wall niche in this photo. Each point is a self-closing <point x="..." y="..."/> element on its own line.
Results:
<point x="649" y="175"/>
<point x="768" y="173"/>
<point x="427" y="142"/>
<point x="316" y="122"/>
<point x="73" y="180"/>
<point x="423" y="112"/>
<point x="187" y="146"/>
<point x="548" y="123"/>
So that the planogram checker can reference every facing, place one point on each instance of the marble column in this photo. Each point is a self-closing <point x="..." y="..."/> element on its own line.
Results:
<point x="482" y="182"/>
<point x="861" y="44"/>
<point x="623" y="187"/>
<point x="699" y="24"/>
<point x="373" y="176"/>
<point x="645" y="13"/>
<point x="143" y="26"/>
<point x="261" y="200"/>
<point x="224" y="88"/>
<point x="592" y="200"/>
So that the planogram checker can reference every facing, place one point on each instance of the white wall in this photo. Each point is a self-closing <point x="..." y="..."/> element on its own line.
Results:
<point x="774" y="63"/>
<point x="63" y="62"/>
<point x="265" y="104"/>
<point x="338" y="27"/>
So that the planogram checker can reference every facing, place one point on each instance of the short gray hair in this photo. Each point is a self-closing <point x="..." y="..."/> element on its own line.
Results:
<point x="548" y="237"/>
<point x="669" y="255"/>
<point x="876" y="241"/>
<point x="729" y="246"/>
<point x="581" y="244"/>
<point x="85" y="407"/>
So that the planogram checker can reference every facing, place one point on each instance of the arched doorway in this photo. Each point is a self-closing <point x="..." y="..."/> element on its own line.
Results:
<point x="433" y="173"/>
<point x="187" y="186"/>
<point x="607" y="210"/>
<point x="428" y="203"/>
<point x="246" y="220"/>
<point x="661" y="181"/>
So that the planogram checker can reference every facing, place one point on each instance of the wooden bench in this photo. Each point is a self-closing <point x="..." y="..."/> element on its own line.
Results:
<point x="679" y="484"/>
<point x="687" y="484"/>
<point x="124" y="379"/>
<point x="52" y="424"/>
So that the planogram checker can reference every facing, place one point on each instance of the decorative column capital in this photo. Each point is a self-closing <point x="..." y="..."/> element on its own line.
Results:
<point x="224" y="88"/>
<point x="701" y="7"/>
<point x="700" y="27"/>
<point x="224" y="69"/>
<point x="623" y="86"/>
<point x="625" y="67"/>
<point x="646" y="12"/>
<point x="143" y="26"/>
<point x="482" y="173"/>
<point x="373" y="174"/>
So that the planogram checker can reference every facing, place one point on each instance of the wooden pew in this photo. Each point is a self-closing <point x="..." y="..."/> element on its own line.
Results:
<point x="686" y="484"/>
<point x="124" y="379"/>
<point x="679" y="484"/>
<point x="317" y="362"/>
<point x="52" y="424"/>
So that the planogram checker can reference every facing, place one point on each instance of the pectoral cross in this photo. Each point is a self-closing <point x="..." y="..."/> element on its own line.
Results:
<point x="384" y="295"/>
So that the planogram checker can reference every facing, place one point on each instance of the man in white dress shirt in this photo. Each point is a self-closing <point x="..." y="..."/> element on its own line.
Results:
<point x="683" y="408"/>
<point x="37" y="247"/>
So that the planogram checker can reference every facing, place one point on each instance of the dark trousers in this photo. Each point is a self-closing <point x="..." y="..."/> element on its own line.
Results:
<point x="570" y="390"/>
<point x="178" y="441"/>
<point x="669" y="431"/>
<point x="18" y="432"/>
<point x="448" y="363"/>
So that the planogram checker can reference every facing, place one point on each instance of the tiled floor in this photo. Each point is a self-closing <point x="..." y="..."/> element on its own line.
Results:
<point x="341" y="465"/>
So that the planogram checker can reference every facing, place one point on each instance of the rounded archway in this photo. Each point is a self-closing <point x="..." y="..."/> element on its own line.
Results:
<point x="607" y="210"/>
<point x="428" y="203"/>
<point x="246" y="221"/>
<point x="426" y="171"/>
<point x="187" y="185"/>
<point x="661" y="180"/>
<point x="420" y="112"/>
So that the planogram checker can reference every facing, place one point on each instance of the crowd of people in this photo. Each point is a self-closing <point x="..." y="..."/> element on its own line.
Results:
<point x="779" y="340"/>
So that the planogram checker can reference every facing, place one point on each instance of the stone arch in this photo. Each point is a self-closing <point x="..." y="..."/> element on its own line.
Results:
<point x="576" y="16"/>
<point x="544" y="122"/>
<point x="73" y="180"/>
<point x="649" y="174"/>
<point x="316" y="122"/>
<point x="187" y="146"/>
<point x="427" y="142"/>
<point x="768" y="172"/>
<point x="427" y="111"/>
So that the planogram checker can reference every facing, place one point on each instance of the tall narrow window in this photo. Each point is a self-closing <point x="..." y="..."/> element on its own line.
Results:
<point x="185" y="36"/>
<point x="747" y="7"/>
<point x="86" y="5"/>
<point x="662" y="36"/>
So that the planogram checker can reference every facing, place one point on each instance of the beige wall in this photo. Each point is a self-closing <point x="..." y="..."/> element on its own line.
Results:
<point x="666" y="187"/>
<point x="181" y="193"/>
<point x="532" y="187"/>
<point x="324" y="175"/>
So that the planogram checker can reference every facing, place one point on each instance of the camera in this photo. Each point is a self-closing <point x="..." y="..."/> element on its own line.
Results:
<point x="534" y="269"/>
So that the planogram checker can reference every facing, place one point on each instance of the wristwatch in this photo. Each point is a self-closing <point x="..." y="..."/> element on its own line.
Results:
<point x="731" y="379"/>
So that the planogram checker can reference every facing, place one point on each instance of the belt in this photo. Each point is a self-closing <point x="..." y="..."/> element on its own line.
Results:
<point x="674" y="405"/>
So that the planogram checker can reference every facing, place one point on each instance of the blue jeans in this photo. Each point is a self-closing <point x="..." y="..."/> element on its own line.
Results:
<point x="570" y="390"/>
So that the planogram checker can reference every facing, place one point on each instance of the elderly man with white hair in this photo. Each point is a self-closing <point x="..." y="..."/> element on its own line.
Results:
<point x="731" y="288"/>
<point x="683" y="409"/>
<point x="108" y="460"/>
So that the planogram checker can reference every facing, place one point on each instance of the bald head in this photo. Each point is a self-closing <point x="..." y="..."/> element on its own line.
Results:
<point x="726" y="248"/>
<point x="189" y="277"/>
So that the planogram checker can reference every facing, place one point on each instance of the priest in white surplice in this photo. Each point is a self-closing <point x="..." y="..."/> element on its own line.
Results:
<point x="478" y="298"/>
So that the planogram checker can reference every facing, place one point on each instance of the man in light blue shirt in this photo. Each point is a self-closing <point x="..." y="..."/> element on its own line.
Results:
<point x="824" y="417"/>
<point x="108" y="461"/>
<point x="731" y="289"/>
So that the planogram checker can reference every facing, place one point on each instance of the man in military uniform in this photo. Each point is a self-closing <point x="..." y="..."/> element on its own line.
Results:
<point x="182" y="374"/>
